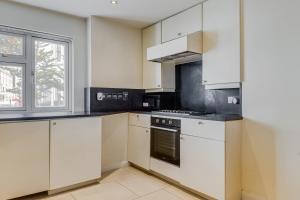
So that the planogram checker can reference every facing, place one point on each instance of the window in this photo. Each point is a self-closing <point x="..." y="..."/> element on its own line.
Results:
<point x="11" y="44"/>
<point x="34" y="71"/>
<point x="11" y="83"/>
<point x="50" y="74"/>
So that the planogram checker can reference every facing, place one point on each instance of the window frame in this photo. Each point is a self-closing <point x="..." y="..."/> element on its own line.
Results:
<point x="28" y="60"/>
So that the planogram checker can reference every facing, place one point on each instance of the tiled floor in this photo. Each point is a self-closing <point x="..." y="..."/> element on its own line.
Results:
<point x="124" y="184"/>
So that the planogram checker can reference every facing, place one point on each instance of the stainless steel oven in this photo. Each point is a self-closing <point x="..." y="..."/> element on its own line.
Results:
<point x="165" y="139"/>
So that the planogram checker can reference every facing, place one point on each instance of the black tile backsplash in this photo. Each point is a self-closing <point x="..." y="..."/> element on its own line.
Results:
<point x="190" y="95"/>
<point x="114" y="100"/>
<point x="189" y="89"/>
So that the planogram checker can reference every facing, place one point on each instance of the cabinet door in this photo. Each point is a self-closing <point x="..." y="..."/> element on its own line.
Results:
<point x="221" y="42"/>
<point x="179" y="25"/>
<point x="151" y="70"/>
<point x="139" y="146"/>
<point x="75" y="151"/>
<point x="24" y="155"/>
<point x="203" y="165"/>
<point x="114" y="141"/>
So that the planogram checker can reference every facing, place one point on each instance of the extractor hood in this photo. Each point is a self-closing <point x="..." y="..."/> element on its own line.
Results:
<point x="181" y="50"/>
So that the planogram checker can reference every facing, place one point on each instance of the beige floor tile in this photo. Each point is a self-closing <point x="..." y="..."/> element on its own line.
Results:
<point x="142" y="184"/>
<point x="135" y="170"/>
<point x="181" y="193"/>
<point x="159" y="195"/>
<point x="115" y="175"/>
<point x="60" y="197"/>
<point x="104" y="191"/>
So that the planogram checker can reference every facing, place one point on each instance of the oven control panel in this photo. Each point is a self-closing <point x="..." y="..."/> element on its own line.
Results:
<point x="165" y="122"/>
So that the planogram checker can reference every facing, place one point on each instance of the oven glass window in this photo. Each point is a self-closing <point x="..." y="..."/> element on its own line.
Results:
<point x="165" y="145"/>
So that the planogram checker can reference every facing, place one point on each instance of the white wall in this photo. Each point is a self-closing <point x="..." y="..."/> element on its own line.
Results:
<point x="271" y="99"/>
<point x="115" y="54"/>
<point x="26" y="17"/>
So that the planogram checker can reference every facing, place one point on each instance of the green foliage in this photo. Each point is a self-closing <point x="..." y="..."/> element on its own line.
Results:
<point x="49" y="73"/>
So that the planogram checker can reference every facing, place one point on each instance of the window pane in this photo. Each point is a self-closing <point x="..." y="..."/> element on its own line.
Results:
<point x="11" y="81"/>
<point x="50" y="74"/>
<point x="11" y="44"/>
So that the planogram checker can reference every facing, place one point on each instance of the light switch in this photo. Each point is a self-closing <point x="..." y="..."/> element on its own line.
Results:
<point x="100" y="96"/>
<point x="230" y="100"/>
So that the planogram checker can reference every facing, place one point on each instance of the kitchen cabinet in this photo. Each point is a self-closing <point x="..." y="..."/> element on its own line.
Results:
<point x="205" y="129"/>
<point x="139" y="140"/>
<point x="75" y="151"/>
<point x="186" y="22"/>
<point x="24" y="155"/>
<point x="210" y="163"/>
<point x="139" y="146"/>
<point x="114" y="141"/>
<point x="141" y="120"/>
<point x="221" y="44"/>
<point x="156" y="76"/>
<point x="203" y="165"/>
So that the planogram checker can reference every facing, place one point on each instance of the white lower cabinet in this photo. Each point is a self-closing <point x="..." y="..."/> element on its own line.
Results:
<point x="210" y="154"/>
<point x="139" y="146"/>
<point x="203" y="165"/>
<point x="75" y="151"/>
<point x="139" y="140"/>
<point x="24" y="156"/>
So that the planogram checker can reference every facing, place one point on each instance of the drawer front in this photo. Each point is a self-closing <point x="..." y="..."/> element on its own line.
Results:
<point x="203" y="128"/>
<point x="140" y="120"/>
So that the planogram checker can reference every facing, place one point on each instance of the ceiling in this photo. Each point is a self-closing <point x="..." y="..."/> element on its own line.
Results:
<point x="139" y="13"/>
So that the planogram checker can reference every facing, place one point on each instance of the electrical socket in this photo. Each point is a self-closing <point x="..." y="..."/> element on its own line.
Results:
<point x="233" y="100"/>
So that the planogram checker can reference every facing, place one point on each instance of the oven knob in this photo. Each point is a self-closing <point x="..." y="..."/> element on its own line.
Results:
<point x="163" y="121"/>
<point x="170" y="122"/>
<point x="157" y="120"/>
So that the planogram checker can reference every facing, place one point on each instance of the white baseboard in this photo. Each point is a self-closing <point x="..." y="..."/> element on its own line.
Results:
<point x="114" y="166"/>
<point x="249" y="196"/>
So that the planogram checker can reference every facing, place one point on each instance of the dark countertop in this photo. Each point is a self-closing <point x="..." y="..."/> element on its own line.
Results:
<point x="51" y="115"/>
<point x="212" y="117"/>
<point x="61" y="115"/>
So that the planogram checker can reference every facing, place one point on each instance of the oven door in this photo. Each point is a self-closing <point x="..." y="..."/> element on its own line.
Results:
<point x="165" y="144"/>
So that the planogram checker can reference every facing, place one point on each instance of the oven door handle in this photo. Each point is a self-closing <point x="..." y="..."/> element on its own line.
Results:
<point x="165" y="129"/>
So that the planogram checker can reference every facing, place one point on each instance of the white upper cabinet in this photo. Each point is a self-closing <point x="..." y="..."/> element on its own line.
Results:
<point x="151" y="70"/>
<point x="179" y="25"/>
<point x="156" y="76"/>
<point x="221" y="44"/>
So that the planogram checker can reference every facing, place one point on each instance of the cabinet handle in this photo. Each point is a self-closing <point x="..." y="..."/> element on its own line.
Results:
<point x="147" y="131"/>
<point x="54" y="123"/>
<point x="200" y="123"/>
<point x="179" y="34"/>
<point x="204" y="81"/>
<point x="158" y="86"/>
<point x="181" y="138"/>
